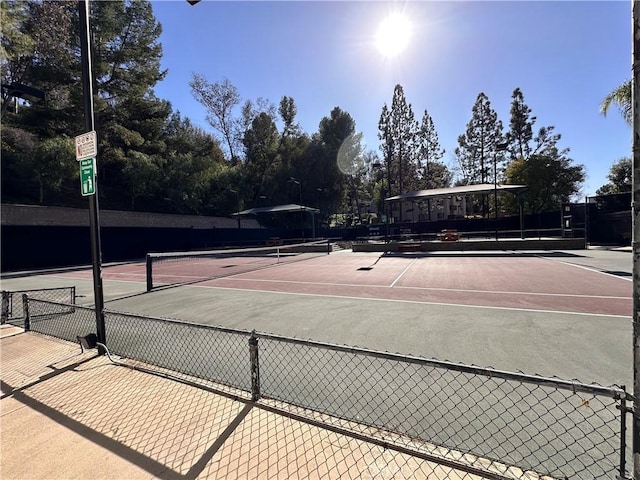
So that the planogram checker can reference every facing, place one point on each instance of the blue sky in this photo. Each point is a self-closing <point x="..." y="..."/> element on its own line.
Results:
<point x="564" y="56"/>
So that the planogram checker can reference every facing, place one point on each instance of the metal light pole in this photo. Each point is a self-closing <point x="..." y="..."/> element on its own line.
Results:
<point x="318" y="192"/>
<point x="237" y="204"/>
<point x="94" y="217"/>
<point x="500" y="147"/>
<point x="635" y="209"/>
<point x="293" y="180"/>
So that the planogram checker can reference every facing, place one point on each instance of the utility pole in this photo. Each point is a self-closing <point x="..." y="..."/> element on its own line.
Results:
<point x="94" y="217"/>
<point x="635" y="209"/>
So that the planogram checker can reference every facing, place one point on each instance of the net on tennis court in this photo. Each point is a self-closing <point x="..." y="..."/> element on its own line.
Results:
<point x="178" y="268"/>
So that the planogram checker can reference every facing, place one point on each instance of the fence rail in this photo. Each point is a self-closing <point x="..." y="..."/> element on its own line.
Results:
<point x="490" y="423"/>
<point x="12" y="310"/>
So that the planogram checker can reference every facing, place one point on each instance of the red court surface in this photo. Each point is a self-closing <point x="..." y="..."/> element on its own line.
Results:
<point x="493" y="280"/>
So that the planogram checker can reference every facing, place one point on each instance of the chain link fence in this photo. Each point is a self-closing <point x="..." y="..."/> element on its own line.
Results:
<point x="473" y="422"/>
<point x="12" y="310"/>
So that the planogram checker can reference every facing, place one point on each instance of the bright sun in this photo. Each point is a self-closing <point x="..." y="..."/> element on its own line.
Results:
<point x="393" y="35"/>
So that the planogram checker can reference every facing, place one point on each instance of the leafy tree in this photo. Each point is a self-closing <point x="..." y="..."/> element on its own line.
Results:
<point x="620" y="178"/>
<point x="220" y="99"/>
<point x="261" y="149"/>
<point x="477" y="150"/>
<point x="477" y="146"/>
<point x="294" y="160"/>
<point x="398" y="131"/>
<point x="538" y="162"/>
<point x="387" y="148"/>
<point x="551" y="180"/>
<point x="318" y="168"/>
<point x="141" y="175"/>
<point x="129" y="117"/>
<point x="351" y="162"/>
<point x="430" y="153"/>
<point x="251" y="110"/>
<point x="621" y="97"/>
<point x="48" y="163"/>
<point x="404" y="132"/>
<point x="288" y="112"/>
<point x="520" y="126"/>
<point x="127" y="52"/>
<point x="38" y="52"/>
<point x="188" y="166"/>
<point x="15" y="42"/>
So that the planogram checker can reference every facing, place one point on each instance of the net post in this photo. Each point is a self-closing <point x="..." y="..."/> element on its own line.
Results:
<point x="4" y="315"/>
<point x="73" y="295"/>
<point x="149" y="273"/>
<point x="255" y="367"/>
<point x="25" y="312"/>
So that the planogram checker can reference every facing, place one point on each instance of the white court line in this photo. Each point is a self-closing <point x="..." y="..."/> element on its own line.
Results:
<point x="415" y="302"/>
<point x="403" y="272"/>
<point x="438" y="289"/>
<point x="590" y="269"/>
<point x="628" y="279"/>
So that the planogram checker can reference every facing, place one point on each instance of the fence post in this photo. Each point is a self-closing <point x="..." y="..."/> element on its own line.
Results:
<point x="149" y="274"/>
<point x="255" y="367"/>
<point x="4" y="316"/>
<point x="623" y="432"/>
<point x="25" y="312"/>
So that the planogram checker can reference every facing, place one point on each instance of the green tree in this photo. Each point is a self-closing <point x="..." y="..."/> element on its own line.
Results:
<point x="351" y="162"/>
<point x="48" y="163"/>
<point x="17" y="45"/>
<point x="620" y="97"/>
<point x="387" y="148"/>
<point x="477" y="150"/>
<point x="141" y="175"/>
<point x="521" y="124"/>
<point x="39" y="52"/>
<point x="127" y="51"/>
<point x="477" y="146"/>
<point x="261" y="143"/>
<point x="129" y="117"/>
<point x="430" y="153"/>
<point x="620" y="178"/>
<point x="188" y="166"/>
<point x="551" y="180"/>
<point x="404" y="130"/>
<point x="220" y="99"/>
<point x="288" y="112"/>
<point x="318" y="167"/>
<point x="251" y="110"/>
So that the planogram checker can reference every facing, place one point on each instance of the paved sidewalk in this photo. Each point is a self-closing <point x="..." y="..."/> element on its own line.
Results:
<point x="67" y="414"/>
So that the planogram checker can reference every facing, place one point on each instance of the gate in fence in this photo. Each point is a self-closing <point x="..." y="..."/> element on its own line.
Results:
<point x="12" y="310"/>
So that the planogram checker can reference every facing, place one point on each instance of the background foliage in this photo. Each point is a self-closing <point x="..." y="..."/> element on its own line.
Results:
<point x="152" y="159"/>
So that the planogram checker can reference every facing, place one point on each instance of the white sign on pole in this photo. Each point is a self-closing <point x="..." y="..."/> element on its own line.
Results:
<point x="86" y="145"/>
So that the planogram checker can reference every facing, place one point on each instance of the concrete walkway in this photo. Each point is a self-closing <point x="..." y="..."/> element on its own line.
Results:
<point x="72" y="415"/>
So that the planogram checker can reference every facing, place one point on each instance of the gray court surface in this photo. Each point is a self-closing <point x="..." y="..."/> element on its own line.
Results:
<point x="589" y="348"/>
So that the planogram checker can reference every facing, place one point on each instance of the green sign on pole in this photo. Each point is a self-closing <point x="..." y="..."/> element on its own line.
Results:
<point x="87" y="177"/>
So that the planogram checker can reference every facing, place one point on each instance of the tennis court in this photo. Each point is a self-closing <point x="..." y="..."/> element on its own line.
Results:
<point x="562" y="314"/>
<point x="550" y="313"/>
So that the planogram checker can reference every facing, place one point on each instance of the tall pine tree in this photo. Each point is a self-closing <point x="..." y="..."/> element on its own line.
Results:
<point x="430" y="154"/>
<point x="477" y="146"/>
<point x="520" y="127"/>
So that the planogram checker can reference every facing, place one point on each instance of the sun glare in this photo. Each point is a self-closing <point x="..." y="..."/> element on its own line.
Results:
<point x="393" y="35"/>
